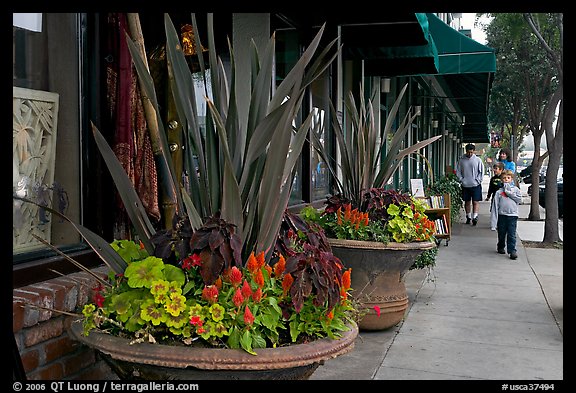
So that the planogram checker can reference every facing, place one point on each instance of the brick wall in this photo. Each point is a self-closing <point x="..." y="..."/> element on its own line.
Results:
<point x="46" y="350"/>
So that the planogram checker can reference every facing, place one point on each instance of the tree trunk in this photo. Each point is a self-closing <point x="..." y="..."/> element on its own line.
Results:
<point x="554" y="143"/>
<point x="534" y="214"/>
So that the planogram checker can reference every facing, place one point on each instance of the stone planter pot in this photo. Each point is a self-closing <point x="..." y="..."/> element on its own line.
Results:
<point x="378" y="277"/>
<point x="161" y="362"/>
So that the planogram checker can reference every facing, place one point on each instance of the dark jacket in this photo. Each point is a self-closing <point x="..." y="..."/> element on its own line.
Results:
<point x="495" y="185"/>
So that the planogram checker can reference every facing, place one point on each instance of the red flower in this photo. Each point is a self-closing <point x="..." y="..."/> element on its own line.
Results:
<point x="257" y="295"/>
<point x="238" y="299"/>
<point x="248" y="317"/>
<point x="99" y="299"/>
<point x="235" y="276"/>
<point x="196" y="320"/>
<point x="192" y="260"/>
<point x="246" y="290"/>
<point x="210" y="293"/>
<point x="377" y="309"/>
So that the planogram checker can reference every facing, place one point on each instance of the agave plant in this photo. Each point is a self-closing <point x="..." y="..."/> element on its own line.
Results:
<point x="182" y="282"/>
<point x="367" y="161"/>
<point x="241" y="175"/>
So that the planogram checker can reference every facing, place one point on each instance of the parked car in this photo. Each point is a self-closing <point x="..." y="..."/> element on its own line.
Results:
<point x="526" y="174"/>
<point x="542" y="199"/>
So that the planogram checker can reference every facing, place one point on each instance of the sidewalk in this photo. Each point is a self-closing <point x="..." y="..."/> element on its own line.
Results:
<point x="483" y="317"/>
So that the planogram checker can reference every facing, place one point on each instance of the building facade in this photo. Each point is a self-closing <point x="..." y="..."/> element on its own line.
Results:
<point x="72" y="70"/>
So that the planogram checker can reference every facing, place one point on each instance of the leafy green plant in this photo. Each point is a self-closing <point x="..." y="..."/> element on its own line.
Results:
<point x="390" y="216"/>
<point x="181" y="283"/>
<point x="346" y="223"/>
<point x="255" y="306"/>
<point x="239" y="175"/>
<point x="426" y="260"/>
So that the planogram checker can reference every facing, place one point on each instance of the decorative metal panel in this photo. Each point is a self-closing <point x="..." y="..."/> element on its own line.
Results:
<point x="34" y="120"/>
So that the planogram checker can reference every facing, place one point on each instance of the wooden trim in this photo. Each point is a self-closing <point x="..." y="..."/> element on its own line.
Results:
<point x="40" y="270"/>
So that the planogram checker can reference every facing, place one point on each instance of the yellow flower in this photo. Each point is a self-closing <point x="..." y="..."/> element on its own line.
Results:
<point x="150" y="312"/>
<point x="217" y="312"/>
<point x="175" y="305"/>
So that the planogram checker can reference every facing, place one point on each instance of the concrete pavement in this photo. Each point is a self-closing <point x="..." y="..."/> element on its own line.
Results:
<point x="478" y="316"/>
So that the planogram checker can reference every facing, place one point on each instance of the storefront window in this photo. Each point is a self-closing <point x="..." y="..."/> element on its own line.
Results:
<point x="46" y="137"/>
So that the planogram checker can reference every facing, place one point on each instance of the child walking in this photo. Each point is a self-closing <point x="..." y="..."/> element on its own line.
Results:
<point x="504" y="215"/>
<point x="494" y="185"/>
<point x="495" y="181"/>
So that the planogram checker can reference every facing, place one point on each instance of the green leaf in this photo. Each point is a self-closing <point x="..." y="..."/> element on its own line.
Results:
<point x="174" y="273"/>
<point x="141" y="274"/>
<point x="258" y="341"/>
<point x="246" y="342"/>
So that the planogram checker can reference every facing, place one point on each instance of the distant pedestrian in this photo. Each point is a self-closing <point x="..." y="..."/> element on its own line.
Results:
<point x="505" y="156"/>
<point x="470" y="171"/>
<point x="504" y="214"/>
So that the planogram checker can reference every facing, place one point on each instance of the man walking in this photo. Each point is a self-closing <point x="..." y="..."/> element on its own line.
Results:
<point x="470" y="171"/>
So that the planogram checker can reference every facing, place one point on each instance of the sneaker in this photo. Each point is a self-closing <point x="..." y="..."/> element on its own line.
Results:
<point x="513" y="256"/>
<point x="501" y="251"/>
<point x="475" y="221"/>
<point x="468" y="219"/>
<point x="492" y="229"/>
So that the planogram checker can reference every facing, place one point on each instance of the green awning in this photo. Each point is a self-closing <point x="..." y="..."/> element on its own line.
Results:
<point x="402" y="46"/>
<point x="466" y="72"/>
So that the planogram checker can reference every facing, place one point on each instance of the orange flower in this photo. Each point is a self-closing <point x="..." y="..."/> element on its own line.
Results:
<point x="268" y="269"/>
<point x="347" y="212"/>
<point x="218" y="283"/>
<point x="259" y="278"/>
<point x="261" y="259"/>
<point x="287" y="283"/>
<point x="252" y="264"/>
<point x="343" y="294"/>
<point x="330" y="315"/>
<point x="339" y="215"/>
<point x="346" y="279"/>
<point x="280" y="266"/>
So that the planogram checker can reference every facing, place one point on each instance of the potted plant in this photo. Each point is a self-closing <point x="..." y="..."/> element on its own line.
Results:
<point x="157" y="320"/>
<point x="396" y="230"/>
<point x="449" y="184"/>
<point x="215" y="290"/>
<point x="380" y="245"/>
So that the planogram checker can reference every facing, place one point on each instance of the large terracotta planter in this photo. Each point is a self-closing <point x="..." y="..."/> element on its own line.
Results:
<point x="378" y="277"/>
<point x="160" y="362"/>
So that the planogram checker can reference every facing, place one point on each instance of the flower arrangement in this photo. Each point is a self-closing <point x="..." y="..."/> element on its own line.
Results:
<point x="386" y="215"/>
<point x="227" y="269"/>
<point x="259" y="305"/>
